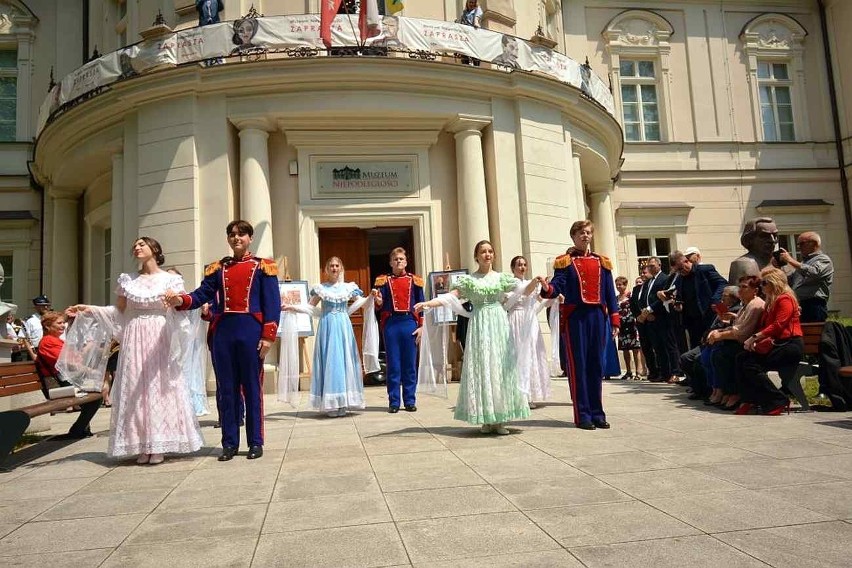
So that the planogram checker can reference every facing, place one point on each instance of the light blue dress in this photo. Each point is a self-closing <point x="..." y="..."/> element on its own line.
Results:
<point x="336" y="379"/>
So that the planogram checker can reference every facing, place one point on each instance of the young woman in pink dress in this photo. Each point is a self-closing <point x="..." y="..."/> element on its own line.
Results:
<point x="152" y="412"/>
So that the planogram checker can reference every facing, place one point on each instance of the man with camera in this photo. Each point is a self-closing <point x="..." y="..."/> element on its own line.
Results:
<point x="699" y="289"/>
<point x="811" y="278"/>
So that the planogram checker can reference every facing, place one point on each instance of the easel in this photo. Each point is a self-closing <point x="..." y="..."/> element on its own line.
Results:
<point x="454" y="352"/>
<point x="305" y="361"/>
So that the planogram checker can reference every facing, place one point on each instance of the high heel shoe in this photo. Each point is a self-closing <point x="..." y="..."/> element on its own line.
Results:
<point x="745" y="408"/>
<point x="778" y="410"/>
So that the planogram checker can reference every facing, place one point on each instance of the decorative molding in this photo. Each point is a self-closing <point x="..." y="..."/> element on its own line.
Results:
<point x="773" y="32"/>
<point x="468" y="122"/>
<point x="638" y="28"/>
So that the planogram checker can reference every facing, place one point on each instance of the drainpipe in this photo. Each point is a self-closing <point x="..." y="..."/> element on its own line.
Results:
<point x="86" y="8"/>
<point x="835" y="114"/>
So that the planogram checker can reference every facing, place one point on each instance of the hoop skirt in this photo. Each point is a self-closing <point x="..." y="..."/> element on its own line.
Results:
<point x="152" y="410"/>
<point x="336" y="381"/>
<point x="489" y="392"/>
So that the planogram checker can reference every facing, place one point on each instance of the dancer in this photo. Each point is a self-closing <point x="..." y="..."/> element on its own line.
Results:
<point x="152" y="413"/>
<point x="243" y="291"/>
<point x="336" y="380"/>
<point x="523" y="305"/>
<point x="585" y="280"/>
<point x="396" y="294"/>
<point x="489" y="393"/>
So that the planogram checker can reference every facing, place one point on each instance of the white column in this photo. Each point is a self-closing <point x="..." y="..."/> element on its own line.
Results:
<point x="579" y="190"/>
<point x="472" y="198"/>
<point x="255" y="202"/>
<point x="65" y="239"/>
<point x="116" y="222"/>
<point x="604" y="220"/>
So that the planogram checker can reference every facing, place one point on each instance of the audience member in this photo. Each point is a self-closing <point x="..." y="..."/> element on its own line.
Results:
<point x="699" y="288"/>
<point x="628" y="336"/>
<point x="811" y="278"/>
<point x="654" y="316"/>
<point x="693" y="254"/>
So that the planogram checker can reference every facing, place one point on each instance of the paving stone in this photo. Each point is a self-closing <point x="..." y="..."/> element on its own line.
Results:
<point x="234" y="552"/>
<point x="821" y="545"/>
<point x="69" y="535"/>
<point x="618" y="463"/>
<point x="23" y="490"/>
<point x="127" y="502"/>
<point x="315" y="485"/>
<point x="692" y="551"/>
<point x="831" y="499"/>
<point x="760" y="474"/>
<point x="735" y="510"/>
<point x="608" y="523"/>
<point x="540" y="494"/>
<point x="195" y="524"/>
<point x="471" y="536"/>
<point x="664" y="482"/>
<point x="19" y="512"/>
<point x="705" y="454"/>
<point x="354" y="547"/>
<point x="548" y="559"/>
<point x="196" y="496"/>
<point x="79" y="559"/>
<point x="795" y="448"/>
<point x="446" y="502"/>
<point x="423" y="470"/>
<point x="326" y="512"/>
<point x="117" y="482"/>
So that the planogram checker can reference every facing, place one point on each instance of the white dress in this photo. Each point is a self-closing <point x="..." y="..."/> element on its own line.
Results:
<point x="152" y="410"/>
<point x="533" y="369"/>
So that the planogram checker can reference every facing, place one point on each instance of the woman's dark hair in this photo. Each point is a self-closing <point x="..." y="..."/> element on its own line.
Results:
<point x="244" y="227"/>
<point x="753" y="282"/>
<point x="515" y="261"/>
<point x="236" y="37"/>
<point x="479" y="244"/>
<point x="155" y="247"/>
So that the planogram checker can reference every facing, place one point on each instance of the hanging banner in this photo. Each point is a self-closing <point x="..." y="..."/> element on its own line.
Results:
<point x="233" y="41"/>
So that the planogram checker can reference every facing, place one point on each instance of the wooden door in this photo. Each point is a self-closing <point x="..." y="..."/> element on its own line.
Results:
<point x="352" y="247"/>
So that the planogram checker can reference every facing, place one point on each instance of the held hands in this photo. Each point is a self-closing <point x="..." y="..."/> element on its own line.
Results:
<point x="713" y="337"/>
<point x="748" y="345"/>
<point x="421" y="306"/>
<point x="172" y="299"/>
<point x="615" y="332"/>
<point x="72" y="311"/>
<point x="377" y="296"/>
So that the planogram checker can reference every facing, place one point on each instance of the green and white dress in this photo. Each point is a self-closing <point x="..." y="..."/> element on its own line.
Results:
<point x="489" y="392"/>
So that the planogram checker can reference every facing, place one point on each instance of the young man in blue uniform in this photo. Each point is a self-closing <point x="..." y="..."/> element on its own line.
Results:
<point x="396" y="294"/>
<point x="243" y="292"/>
<point x="585" y="280"/>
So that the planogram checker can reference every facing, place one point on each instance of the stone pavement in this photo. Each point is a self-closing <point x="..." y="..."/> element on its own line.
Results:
<point x="672" y="484"/>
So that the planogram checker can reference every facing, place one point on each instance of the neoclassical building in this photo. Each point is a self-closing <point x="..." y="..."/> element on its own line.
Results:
<point x="691" y="117"/>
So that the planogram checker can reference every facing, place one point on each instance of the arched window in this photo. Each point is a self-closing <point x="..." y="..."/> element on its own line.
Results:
<point x="637" y="42"/>
<point x="17" y="25"/>
<point x="773" y="45"/>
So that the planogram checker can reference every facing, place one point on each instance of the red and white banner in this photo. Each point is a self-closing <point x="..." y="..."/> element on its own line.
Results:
<point x="328" y="12"/>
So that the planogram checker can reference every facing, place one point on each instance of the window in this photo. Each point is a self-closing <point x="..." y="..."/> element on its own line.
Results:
<point x="787" y="242"/>
<point x="8" y="94"/>
<point x="6" y="287"/>
<point x="776" y="105"/>
<point x="646" y="247"/>
<point x="107" y="244"/>
<point x="639" y="106"/>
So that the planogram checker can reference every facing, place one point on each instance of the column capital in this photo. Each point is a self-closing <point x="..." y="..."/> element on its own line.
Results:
<point x="254" y="123"/>
<point x="605" y="188"/>
<point x="468" y="122"/>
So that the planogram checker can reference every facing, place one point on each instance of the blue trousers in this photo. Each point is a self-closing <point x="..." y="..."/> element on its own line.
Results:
<point x="401" y="353"/>
<point x="585" y="346"/>
<point x="238" y="367"/>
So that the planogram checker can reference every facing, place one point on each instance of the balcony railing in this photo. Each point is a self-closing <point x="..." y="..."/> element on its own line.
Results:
<point x="256" y="38"/>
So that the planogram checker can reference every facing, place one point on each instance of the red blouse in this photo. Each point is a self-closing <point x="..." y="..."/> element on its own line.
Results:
<point x="781" y="321"/>
<point x="48" y="354"/>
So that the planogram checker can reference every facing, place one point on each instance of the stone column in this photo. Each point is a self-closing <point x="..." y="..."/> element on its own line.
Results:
<point x="470" y="171"/>
<point x="602" y="216"/>
<point x="65" y="238"/>
<point x="579" y="190"/>
<point x="116" y="222"/>
<point x="255" y="201"/>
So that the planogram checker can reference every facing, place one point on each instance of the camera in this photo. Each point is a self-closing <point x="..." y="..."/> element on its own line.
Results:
<point x="670" y="293"/>
<point x="776" y="254"/>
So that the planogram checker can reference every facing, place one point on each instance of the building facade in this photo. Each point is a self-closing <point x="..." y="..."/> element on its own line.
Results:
<point x="720" y="112"/>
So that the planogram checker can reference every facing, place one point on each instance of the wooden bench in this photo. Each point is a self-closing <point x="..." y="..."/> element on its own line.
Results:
<point x="791" y="377"/>
<point x="19" y="378"/>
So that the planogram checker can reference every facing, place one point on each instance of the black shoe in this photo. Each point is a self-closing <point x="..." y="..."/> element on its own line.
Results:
<point x="410" y="408"/>
<point x="255" y="452"/>
<point x="626" y="376"/>
<point x="227" y="454"/>
<point x="695" y="396"/>
<point x="586" y="426"/>
<point x="393" y="410"/>
<point x="603" y="424"/>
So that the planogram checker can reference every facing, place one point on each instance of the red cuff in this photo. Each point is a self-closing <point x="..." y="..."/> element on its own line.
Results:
<point x="270" y="330"/>
<point x="615" y="320"/>
<point x="186" y="302"/>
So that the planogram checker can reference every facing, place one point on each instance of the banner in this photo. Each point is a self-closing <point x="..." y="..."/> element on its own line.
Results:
<point x="230" y="41"/>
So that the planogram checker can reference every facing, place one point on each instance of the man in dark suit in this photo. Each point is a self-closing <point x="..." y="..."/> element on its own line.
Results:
<point x="654" y="319"/>
<point x="699" y="289"/>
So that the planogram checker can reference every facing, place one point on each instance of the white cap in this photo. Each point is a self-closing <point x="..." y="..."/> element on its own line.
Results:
<point x="690" y="251"/>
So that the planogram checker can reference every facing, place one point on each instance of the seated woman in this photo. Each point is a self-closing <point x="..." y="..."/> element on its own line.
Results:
<point x="730" y="342"/>
<point x="49" y="349"/>
<point x="778" y="344"/>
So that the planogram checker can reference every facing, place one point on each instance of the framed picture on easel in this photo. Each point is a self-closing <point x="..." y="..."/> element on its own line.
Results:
<point x="440" y="282"/>
<point x="295" y="293"/>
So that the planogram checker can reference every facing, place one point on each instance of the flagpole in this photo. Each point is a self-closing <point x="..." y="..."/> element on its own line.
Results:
<point x="349" y="17"/>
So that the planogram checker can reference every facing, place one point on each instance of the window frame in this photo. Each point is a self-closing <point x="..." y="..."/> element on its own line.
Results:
<point x="636" y="82"/>
<point x="9" y="276"/>
<point x="652" y="241"/>
<point x="11" y="73"/>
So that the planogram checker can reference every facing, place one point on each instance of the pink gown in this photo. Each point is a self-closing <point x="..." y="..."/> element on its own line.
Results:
<point x="152" y="409"/>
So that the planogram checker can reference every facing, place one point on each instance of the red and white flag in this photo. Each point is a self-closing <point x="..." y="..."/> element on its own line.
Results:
<point x="369" y="20"/>
<point x="327" y="13"/>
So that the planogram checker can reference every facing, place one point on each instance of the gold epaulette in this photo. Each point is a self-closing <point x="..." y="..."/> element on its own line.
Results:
<point x="380" y="281"/>
<point x="605" y="262"/>
<point x="417" y="280"/>
<point x="562" y="261"/>
<point x="269" y="266"/>
<point x="212" y="268"/>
